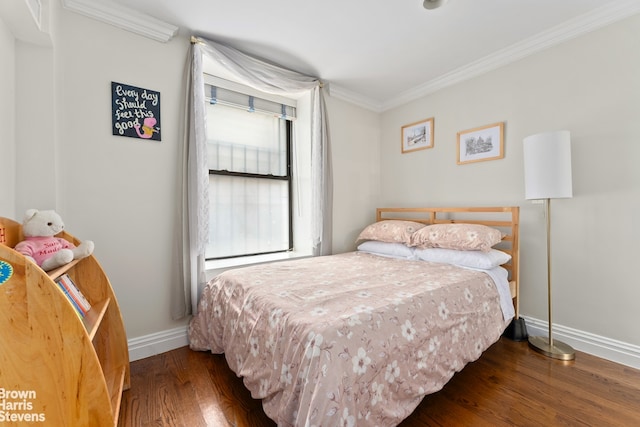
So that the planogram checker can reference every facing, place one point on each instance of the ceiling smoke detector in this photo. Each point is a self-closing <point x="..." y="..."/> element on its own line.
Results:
<point x="433" y="4"/>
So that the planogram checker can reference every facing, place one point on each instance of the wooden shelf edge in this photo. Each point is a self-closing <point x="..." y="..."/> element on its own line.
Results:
<point x="57" y="272"/>
<point x="93" y="318"/>
<point x="115" y="386"/>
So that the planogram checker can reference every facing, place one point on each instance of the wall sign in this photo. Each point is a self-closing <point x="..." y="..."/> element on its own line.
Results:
<point x="135" y="112"/>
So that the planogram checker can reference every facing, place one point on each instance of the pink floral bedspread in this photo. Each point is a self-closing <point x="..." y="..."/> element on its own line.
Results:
<point x="349" y="339"/>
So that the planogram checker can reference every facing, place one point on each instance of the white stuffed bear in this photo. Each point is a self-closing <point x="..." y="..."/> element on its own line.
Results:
<point x="41" y="245"/>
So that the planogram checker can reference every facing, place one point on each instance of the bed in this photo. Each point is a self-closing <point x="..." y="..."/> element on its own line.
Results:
<point x="360" y="338"/>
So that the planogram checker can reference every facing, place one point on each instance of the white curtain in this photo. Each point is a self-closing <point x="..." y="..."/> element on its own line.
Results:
<point x="194" y="216"/>
<point x="193" y="209"/>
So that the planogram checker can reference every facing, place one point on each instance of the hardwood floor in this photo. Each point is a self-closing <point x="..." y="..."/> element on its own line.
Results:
<point x="510" y="385"/>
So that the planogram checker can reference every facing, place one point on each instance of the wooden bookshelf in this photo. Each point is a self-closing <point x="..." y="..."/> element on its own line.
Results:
<point x="57" y="368"/>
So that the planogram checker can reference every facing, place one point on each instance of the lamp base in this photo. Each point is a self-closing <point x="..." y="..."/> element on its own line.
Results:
<point x="558" y="350"/>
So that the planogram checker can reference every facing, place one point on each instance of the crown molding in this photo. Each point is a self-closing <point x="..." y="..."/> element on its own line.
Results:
<point x="27" y="21"/>
<point x="123" y="17"/>
<point x="35" y="7"/>
<point x="600" y="17"/>
<point x="339" y="92"/>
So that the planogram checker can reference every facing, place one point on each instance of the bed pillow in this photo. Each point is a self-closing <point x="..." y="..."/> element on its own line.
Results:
<point x="472" y="259"/>
<point x="393" y="250"/>
<point x="392" y="231"/>
<point x="464" y="237"/>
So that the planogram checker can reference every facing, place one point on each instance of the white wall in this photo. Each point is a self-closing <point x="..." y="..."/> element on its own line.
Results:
<point x="7" y="120"/>
<point x="355" y="144"/>
<point x="35" y="132"/>
<point x="590" y="86"/>
<point x="120" y="192"/>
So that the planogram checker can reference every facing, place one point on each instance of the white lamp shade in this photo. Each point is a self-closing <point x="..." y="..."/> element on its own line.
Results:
<point x="547" y="165"/>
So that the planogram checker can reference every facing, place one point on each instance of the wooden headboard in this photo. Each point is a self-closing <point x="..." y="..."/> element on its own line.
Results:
<point x="506" y="219"/>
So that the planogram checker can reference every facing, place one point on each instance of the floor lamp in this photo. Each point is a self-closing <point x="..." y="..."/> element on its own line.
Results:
<point x="547" y="175"/>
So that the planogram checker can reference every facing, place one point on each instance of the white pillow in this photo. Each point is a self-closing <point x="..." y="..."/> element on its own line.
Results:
<point x="471" y="259"/>
<point x="393" y="250"/>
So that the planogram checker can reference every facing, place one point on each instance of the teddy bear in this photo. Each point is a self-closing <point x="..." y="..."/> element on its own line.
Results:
<point x="40" y="244"/>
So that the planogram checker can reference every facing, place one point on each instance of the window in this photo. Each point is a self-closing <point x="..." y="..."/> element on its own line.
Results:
<point x="250" y="174"/>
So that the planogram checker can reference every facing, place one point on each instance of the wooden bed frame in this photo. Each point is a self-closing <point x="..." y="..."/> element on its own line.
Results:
<point x="345" y="392"/>
<point x="506" y="219"/>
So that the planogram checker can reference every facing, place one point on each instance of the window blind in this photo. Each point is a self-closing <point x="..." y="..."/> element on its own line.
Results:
<point x="223" y="96"/>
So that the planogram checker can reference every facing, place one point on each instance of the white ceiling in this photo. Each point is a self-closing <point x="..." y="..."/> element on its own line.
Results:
<point x="381" y="53"/>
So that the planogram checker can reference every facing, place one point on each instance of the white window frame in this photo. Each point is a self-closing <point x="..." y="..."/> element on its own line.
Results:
<point x="301" y="172"/>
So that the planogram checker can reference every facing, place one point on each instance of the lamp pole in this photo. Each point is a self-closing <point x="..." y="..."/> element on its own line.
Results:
<point x="547" y="203"/>
<point x="547" y="346"/>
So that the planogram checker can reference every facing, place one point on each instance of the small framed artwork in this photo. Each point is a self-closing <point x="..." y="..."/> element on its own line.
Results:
<point x="417" y="136"/>
<point x="480" y="144"/>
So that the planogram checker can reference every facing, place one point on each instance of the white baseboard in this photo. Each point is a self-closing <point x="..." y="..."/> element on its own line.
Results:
<point x="156" y="343"/>
<point x="606" y="348"/>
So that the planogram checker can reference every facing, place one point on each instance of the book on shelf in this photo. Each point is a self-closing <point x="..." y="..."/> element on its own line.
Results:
<point x="75" y="305"/>
<point x="79" y="301"/>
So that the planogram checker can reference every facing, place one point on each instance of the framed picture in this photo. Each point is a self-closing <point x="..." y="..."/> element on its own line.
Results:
<point x="417" y="136"/>
<point x="480" y="144"/>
